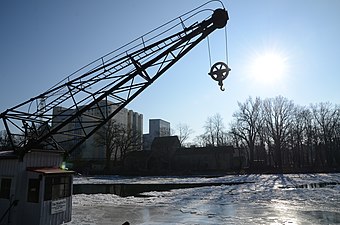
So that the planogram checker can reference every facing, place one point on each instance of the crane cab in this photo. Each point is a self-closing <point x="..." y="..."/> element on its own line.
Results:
<point x="34" y="190"/>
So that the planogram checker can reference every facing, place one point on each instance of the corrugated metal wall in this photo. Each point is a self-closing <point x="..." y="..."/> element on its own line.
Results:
<point x="43" y="159"/>
<point x="8" y="167"/>
<point x="47" y="218"/>
<point x="16" y="169"/>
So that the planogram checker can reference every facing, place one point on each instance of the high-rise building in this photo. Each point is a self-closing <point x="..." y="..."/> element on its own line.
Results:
<point x="157" y="128"/>
<point x="90" y="150"/>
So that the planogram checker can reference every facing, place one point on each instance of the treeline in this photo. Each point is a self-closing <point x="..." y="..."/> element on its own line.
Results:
<point x="277" y="133"/>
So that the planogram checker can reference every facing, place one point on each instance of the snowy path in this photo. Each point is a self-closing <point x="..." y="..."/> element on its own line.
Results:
<point x="271" y="199"/>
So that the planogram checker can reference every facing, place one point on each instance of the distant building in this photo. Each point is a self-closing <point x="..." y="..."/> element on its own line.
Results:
<point x="205" y="159"/>
<point x="167" y="157"/>
<point x="89" y="150"/>
<point x="157" y="128"/>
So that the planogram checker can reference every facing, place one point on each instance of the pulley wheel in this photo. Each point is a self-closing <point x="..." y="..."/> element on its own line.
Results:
<point x="219" y="71"/>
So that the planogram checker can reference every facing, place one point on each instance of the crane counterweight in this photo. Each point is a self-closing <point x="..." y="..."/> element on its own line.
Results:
<point x="220" y="18"/>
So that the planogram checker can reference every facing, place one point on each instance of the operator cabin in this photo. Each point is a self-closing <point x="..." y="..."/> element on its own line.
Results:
<point x="34" y="190"/>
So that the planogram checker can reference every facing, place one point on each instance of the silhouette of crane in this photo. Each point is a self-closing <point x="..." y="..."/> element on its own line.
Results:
<point x="113" y="79"/>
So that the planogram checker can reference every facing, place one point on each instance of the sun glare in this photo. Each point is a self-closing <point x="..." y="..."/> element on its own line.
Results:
<point x="268" y="68"/>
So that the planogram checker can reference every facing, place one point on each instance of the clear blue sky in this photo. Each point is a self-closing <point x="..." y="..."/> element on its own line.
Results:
<point x="42" y="42"/>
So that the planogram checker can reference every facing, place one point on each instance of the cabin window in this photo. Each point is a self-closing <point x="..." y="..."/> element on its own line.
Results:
<point x="5" y="188"/>
<point x="33" y="190"/>
<point x="57" y="187"/>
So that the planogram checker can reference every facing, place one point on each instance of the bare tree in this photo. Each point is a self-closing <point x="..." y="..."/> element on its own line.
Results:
<point x="327" y="118"/>
<point x="277" y="115"/>
<point x="336" y="141"/>
<point x="310" y="135"/>
<point x="200" y="140"/>
<point x="4" y="140"/>
<point x="108" y="138"/>
<point x="298" y="135"/>
<point x="118" y="140"/>
<point x="184" y="132"/>
<point x="287" y="134"/>
<point x="247" y="121"/>
<point x="215" y="134"/>
<point x="131" y="140"/>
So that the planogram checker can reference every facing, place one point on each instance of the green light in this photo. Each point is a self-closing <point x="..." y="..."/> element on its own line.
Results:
<point x="63" y="165"/>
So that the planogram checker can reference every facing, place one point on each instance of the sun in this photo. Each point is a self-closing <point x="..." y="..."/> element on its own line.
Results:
<point x="268" y="68"/>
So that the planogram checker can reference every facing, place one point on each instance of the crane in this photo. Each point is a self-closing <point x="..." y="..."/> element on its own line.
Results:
<point x="115" y="79"/>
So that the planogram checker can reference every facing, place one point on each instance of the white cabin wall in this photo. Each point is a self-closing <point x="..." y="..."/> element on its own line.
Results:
<point x="17" y="170"/>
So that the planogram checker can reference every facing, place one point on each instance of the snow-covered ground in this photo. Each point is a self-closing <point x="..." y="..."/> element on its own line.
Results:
<point x="269" y="199"/>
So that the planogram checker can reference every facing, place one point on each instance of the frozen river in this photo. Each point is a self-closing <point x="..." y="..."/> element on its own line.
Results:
<point x="264" y="199"/>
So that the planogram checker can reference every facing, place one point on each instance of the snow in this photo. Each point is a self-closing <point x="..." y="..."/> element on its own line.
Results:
<point x="268" y="199"/>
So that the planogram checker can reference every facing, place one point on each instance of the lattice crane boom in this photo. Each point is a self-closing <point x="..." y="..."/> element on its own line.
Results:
<point x="62" y="118"/>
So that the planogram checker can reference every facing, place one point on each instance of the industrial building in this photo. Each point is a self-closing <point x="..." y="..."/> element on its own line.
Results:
<point x="168" y="157"/>
<point x="157" y="128"/>
<point x="90" y="151"/>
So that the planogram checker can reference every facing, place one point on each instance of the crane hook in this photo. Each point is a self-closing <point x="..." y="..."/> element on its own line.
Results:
<point x="219" y="71"/>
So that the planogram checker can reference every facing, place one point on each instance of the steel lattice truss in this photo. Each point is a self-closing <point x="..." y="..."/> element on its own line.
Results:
<point x="114" y="79"/>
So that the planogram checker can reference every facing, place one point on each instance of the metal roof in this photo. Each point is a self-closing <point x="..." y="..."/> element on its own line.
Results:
<point x="49" y="170"/>
<point x="8" y="155"/>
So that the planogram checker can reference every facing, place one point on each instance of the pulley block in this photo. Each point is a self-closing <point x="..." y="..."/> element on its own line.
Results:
<point x="219" y="71"/>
